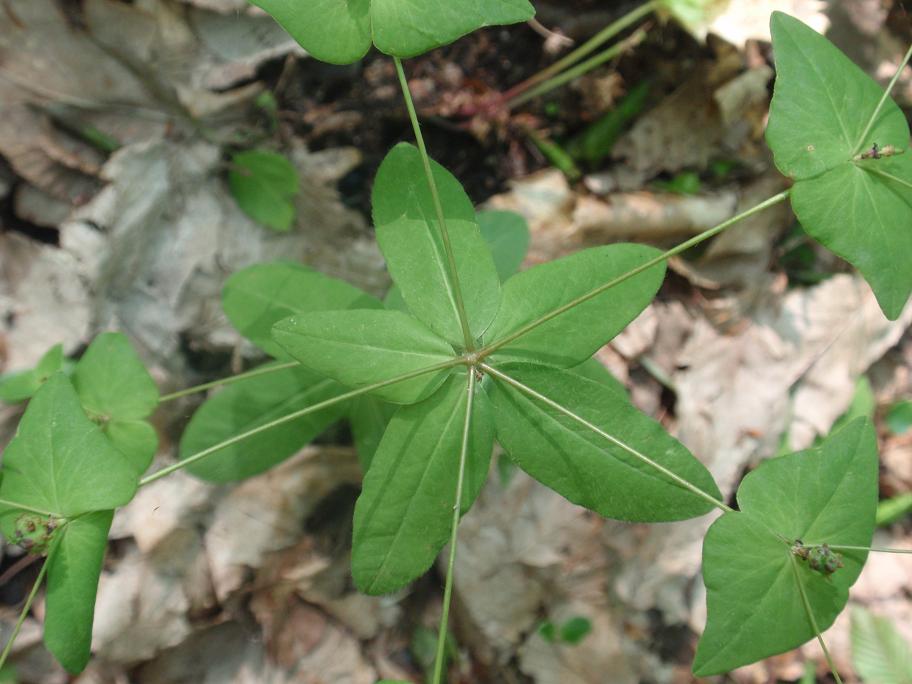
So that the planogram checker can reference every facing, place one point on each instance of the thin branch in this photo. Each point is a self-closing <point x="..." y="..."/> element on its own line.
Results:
<point x="861" y="142"/>
<point x="683" y="247"/>
<point x="872" y="549"/>
<point x="29" y="509"/>
<point x="584" y="50"/>
<point x="578" y="70"/>
<point x="438" y="208"/>
<point x="812" y="619"/>
<point x="693" y="489"/>
<point x="293" y="416"/>
<point x="889" y="176"/>
<point x="24" y="612"/>
<point x="262" y="370"/>
<point x="454" y="536"/>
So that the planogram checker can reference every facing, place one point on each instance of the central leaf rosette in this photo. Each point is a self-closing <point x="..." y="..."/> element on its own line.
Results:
<point x="558" y="415"/>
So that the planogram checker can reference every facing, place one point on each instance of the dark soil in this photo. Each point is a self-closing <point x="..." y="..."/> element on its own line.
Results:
<point x="361" y="105"/>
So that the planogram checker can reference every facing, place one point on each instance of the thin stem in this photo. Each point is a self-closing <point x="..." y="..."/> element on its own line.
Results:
<point x="693" y="489"/>
<point x="683" y="247"/>
<point x="24" y="613"/>
<point x="872" y="549"/>
<point x="862" y="140"/>
<point x="292" y="416"/>
<point x="812" y="619"/>
<point x="438" y="208"/>
<point x="578" y="70"/>
<point x="888" y="176"/>
<point x="585" y="49"/>
<point x="262" y="370"/>
<point x="454" y="536"/>
<point x="29" y="509"/>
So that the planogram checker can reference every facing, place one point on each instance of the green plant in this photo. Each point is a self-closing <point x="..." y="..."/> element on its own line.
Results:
<point x="879" y="652"/>
<point x="464" y="353"/>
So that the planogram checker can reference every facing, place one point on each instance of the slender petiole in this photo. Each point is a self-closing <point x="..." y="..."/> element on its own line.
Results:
<point x="611" y="438"/>
<point x="578" y="70"/>
<point x="263" y="370"/>
<point x="29" y="509"/>
<point x="454" y="536"/>
<point x="24" y="612"/>
<point x="812" y="619"/>
<point x="888" y="176"/>
<point x="438" y="208"/>
<point x="683" y="247"/>
<point x="582" y="51"/>
<point x="862" y="140"/>
<point x="198" y="456"/>
<point x="872" y="549"/>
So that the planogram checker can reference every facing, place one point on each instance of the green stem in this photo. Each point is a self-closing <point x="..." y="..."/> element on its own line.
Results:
<point x="438" y="208"/>
<point x="578" y="70"/>
<point x="23" y="507"/>
<point x="812" y="619"/>
<point x="862" y="140"/>
<point x="889" y="176"/>
<point x="293" y="416"/>
<point x="454" y="536"/>
<point x="611" y="438"/>
<point x="583" y="50"/>
<point x="263" y="370"/>
<point x="872" y="549"/>
<point x="683" y="247"/>
<point x="24" y="613"/>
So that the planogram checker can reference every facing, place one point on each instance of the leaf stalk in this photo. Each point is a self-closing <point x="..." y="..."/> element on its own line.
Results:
<point x="693" y="489"/>
<point x="683" y="247"/>
<point x="438" y="208"/>
<point x="198" y="456"/>
<point x="454" y="532"/>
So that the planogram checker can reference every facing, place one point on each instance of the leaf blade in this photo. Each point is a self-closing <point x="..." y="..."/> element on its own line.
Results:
<point x="73" y="573"/>
<point x="575" y="335"/>
<point x="248" y="404"/>
<point x="823" y="495"/>
<point x="403" y="516"/>
<point x="409" y="237"/>
<point x="582" y="465"/>
<point x="259" y="296"/>
<point x="60" y="461"/>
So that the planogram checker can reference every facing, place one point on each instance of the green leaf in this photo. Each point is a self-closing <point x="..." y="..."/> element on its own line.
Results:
<point x="892" y="509"/>
<point x="548" y="631"/>
<point x="341" y="31"/>
<point x="407" y="28"/>
<point x="16" y="387"/>
<point x="410" y="239"/>
<point x="117" y="392"/>
<point x="575" y="335"/>
<point x="75" y="566"/>
<point x="899" y="417"/>
<point x="264" y="185"/>
<point x="369" y="417"/>
<point x="584" y="466"/>
<point x="574" y="630"/>
<point x="60" y="462"/>
<point x="361" y="348"/>
<point x="597" y="140"/>
<point x="250" y="403"/>
<point x="507" y="236"/>
<point x="821" y="107"/>
<point x="879" y="652"/>
<point x="258" y="297"/>
<point x="825" y="495"/>
<point x="404" y="513"/>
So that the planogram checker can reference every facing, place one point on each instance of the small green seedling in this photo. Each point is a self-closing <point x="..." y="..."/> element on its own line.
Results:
<point x="465" y="352"/>
<point x="572" y="632"/>
<point x="264" y="184"/>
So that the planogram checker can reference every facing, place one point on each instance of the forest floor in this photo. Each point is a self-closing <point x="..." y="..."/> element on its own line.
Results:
<point x="118" y="120"/>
